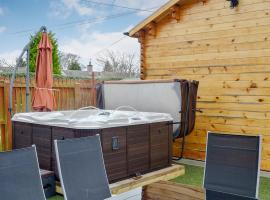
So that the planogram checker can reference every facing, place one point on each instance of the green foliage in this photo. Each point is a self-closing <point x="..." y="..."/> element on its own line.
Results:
<point x="9" y="74"/>
<point x="193" y="176"/>
<point x="74" y="65"/>
<point x="34" y="53"/>
<point x="56" y="198"/>
<point x="32" y="75"/>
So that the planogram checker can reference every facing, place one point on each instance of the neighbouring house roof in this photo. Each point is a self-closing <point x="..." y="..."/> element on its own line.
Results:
<point x="115" y="76"/>
<point x="98" y="75"/>
<point x="155" y="17"/>
<point x="76" y="74"/>
<point x="65" y="73"/>
<point x="10" y="69"/>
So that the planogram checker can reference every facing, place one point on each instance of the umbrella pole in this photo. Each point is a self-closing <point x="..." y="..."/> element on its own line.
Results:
<point x="25" y="49"/>
<point x="12" y="81"/>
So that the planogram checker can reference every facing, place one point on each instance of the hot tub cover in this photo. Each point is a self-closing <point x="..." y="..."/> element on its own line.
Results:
<point x="232" y="164"/>
<point x="82" y="171"/>
<point x="91" y="119"/>
<point x="176" y="97"/>
<point x="19" y="175"/>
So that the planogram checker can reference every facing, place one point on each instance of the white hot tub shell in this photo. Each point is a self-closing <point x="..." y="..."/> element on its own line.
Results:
<point x="133" y="142"/>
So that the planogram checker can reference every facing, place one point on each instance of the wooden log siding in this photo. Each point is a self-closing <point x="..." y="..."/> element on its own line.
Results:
<point x="228" y="51"/>
<point x="69" y="94"/>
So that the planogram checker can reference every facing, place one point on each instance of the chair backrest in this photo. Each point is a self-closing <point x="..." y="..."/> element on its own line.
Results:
<point x="81" y="168"/>
<point x="19" y="175"/>
<point x="232" y="165"/>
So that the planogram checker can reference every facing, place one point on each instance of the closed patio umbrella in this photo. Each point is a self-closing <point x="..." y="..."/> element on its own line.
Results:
<point x="43" y="99"/>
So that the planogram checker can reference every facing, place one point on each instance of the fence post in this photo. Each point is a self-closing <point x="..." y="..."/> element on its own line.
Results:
<point x="3" y="138"/>
<point x="93" y="90"/>
<point x="77" y="94"/>
<point x="8" y="127"/>
<point x="2" y="116"/>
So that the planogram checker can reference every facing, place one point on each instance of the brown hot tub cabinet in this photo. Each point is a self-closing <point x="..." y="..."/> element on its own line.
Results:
<point x="128" y="149"/>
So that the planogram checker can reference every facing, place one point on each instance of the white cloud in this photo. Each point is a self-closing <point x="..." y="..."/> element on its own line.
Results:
<point x="11" y="56"/>
<point x="142" y="4"/>
<point x="93" y="45"/>
<point x="78" y="7"/>
<point x="64" y="8"/>
<point x="89" y="46"/>
<point x="1" y="11"/>
<point x="2" y="29"/>
<point x="147" y="7"/>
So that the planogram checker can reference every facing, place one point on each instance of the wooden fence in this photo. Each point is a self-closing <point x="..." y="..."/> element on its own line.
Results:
<point x="68" y="93"/>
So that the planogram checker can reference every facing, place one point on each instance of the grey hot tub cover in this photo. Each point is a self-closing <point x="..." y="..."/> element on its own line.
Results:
<point x="185" y="94"/>
<point x="19" y="175"/>
<point x="81" y="168"/>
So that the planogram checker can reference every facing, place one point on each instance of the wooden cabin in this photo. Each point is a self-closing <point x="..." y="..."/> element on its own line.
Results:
<point x="227" y="49"/>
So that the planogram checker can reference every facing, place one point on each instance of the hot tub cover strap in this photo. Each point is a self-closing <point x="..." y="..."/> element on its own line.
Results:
<point x="188" y="108"/>
<point x="99" y="96"/>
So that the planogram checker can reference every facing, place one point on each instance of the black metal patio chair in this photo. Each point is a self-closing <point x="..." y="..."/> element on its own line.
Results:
<point x="19" y="175"/>
<point x="81" y="169"/>
<point x="232" y="167"/>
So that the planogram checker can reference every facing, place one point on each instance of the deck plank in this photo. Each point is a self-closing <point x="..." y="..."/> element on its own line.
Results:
<point x="146" y="179"/>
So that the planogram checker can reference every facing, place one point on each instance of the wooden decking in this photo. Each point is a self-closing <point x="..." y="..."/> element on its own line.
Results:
<point x="160" y="175"/>
<point x="172" y="191"/>
<point x="146" y="179"/>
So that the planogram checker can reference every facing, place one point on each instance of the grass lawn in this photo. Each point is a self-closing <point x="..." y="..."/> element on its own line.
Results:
<point x="57" y="198"/>
<point x="194" y="176"/>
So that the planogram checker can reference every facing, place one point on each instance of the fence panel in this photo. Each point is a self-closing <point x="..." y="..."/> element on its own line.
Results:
<point x="69" y="94"/>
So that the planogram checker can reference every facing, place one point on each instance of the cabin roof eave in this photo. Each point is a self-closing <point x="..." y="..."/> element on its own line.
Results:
<point x="165" y="8"/>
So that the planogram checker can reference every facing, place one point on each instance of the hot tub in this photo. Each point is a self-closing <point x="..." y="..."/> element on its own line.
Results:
<point x="133" y="142"/>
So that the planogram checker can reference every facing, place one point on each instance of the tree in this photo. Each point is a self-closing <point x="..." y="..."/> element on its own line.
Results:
<point x="70" y="61"/>
<point x="119" y="63"/>
<point x="107" y="67"/>
<point x="66" y="59"/>
<point x="34" y="53"/>
<point x="74" y="65"/>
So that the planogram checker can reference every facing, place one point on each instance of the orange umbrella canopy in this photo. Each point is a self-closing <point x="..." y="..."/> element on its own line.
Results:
<point x="43" y="95"/>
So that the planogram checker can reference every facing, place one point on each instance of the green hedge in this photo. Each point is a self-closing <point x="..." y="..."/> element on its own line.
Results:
<point x="34" y="52"/>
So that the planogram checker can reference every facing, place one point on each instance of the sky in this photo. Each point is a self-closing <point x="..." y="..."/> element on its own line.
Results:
<point x="87" y="28"/>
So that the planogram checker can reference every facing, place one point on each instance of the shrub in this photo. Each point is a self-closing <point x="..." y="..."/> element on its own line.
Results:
<point x="34" y="53"/>
<point x="74" y="65"/>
